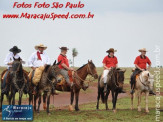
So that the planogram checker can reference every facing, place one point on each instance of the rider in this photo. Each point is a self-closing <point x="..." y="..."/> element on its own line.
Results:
<point x="64" y="65"/>
<point x="38" y="59"/>
<point x="141" y="65"/>
<point x="108" y="62"/>
<point x="9" y="61"/>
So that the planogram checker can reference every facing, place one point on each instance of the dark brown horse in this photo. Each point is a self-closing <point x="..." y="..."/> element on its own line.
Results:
<point x="115" y="83"/>
<point x="79" y="78"/>
<point x="46" y="85"/>
<point x="18" y="81"/>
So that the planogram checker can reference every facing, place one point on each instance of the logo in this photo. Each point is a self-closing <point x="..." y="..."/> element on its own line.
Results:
<point x="17" y="112"/>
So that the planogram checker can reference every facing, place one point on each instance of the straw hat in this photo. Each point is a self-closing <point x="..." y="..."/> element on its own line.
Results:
<point x="63" y="48"/>
<point x="111" y="50"/>
<point x="40" y="45"/>
<point x="143" y="50"/>
<point x="15" y="49"/>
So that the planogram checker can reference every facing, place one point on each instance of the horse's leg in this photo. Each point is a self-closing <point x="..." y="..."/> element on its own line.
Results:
<point x="139" y="100"/>
<point x="115" y="100"/>
<point x="30" y="98"/>
<point x="13" y="98"/>
<point x="98" y="98"/>
<point x="10" y="98"/>
<point x="2" y="96"/>
<point x="106" y="99"/>
<point x="35" y="98"/>
<point x="71" y="100"/>
<point x="20" y="98"/>
<point x="44" y="100"/>
<point x="146" y="102"/>
<point x="77" y="99"/>
<point x="48" y="102"/>
<point x="39" y="102"/>
<point x="132" y="97"/>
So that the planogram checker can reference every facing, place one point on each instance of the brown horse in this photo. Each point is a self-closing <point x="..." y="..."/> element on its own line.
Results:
<point x="79" y="81"/>
<point x="114" y="84"/>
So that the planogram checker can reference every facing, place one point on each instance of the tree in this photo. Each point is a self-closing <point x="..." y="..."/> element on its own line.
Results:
<point x="74" y="54"/>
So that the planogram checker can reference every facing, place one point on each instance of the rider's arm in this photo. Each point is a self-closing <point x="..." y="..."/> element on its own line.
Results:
<point x="30" y="61"/>
<point x="138" y="67"/>
<point x="149" y="67"/>
<point x="66" y="67"/>
<point x="105" y="67"/>
<point x="7" y="60"/>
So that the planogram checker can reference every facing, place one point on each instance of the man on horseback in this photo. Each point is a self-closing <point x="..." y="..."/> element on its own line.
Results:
<point x="141" y="65"/>
<point x="64" y="65"/>
<point x="38" y="60"/>
<point x="9" y="61"/>
<point x="108" y="62"/>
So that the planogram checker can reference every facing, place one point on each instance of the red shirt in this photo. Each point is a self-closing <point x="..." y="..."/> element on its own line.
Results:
<point x="64" y="60"/>
<point x="142" y="62"/>
<point x="110" y="61"/>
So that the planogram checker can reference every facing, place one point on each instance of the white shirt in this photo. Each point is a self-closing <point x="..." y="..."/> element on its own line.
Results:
<point x="10" y="58"/>
<point x="35" y="62"/>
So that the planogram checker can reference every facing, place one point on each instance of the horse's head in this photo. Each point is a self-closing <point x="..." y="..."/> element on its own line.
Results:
<point x="116" y="76"/>
<point x="120" y="77"/>
<point x="91" y="69"/>
<point x="55" y="72"/>
<point x="151" y="81"/>
<point x="145" y="75"/>
<point x="17" y="65"/>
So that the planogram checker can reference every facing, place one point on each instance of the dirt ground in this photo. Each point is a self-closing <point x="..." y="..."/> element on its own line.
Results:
<point x="63" y="99"/>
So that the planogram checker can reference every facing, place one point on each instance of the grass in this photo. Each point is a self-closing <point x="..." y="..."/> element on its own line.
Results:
<point x="89" y="113"/>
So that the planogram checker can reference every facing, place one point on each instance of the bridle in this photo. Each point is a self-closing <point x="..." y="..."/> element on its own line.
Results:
<point x="140" y="79"/>
<point x="116" y="83"/>
<point x="80" y="79"/>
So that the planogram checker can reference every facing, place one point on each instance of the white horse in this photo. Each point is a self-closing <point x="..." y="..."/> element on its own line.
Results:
<point x="144" y="83"/>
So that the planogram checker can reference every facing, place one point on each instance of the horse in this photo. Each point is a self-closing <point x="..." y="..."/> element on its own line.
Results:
<point x="19" y="81"/>
<point x="79" y="82"/>
<point x="115" y="83"/>
<point x="47" y="83"/>
<point x="144" y="83"/>
<point x="7" y="88"/>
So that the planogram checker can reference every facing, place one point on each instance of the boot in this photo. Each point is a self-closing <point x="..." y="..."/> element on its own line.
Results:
<point x="105" y="87"/>
<point x="151" y="92"/>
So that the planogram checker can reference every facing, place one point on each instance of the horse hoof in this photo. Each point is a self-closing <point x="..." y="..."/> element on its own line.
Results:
<point x="44" y="106"/>
<point x="77" y="109"/>
<point x="38" y="113"/>
<point x="49" y="114"/>
<point x="147" y="111"/>
<point x="71" y="108"/>
<point x="139" y="110"/>
<point x="114" y="111"/>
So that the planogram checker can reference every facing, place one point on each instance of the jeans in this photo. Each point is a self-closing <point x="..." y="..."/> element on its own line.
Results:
<point x="65" y="75"/>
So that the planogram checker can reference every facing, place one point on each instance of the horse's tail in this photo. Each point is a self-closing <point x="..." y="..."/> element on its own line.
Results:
<point x="100" y="91"/>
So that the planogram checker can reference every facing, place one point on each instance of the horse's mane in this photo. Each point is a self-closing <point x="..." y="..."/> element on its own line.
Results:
<point x="46" y="68"/>
<point x="85" y="65"/>
<point x="81" y="67"/>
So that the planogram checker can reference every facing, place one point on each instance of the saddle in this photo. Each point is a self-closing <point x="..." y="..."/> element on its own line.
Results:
<point x="4" y="72"/>
<point x="37" y="75"/>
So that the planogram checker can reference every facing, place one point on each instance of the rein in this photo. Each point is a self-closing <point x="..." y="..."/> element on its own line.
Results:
<point x="140" y="79"/>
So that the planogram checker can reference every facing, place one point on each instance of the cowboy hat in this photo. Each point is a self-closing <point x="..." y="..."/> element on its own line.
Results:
<point x="111" y="50"/>
<point x="63" y="48"/>
<point x="143" y="50"/>
<point x="15" y="49"/>
<point x="40" y="45"/>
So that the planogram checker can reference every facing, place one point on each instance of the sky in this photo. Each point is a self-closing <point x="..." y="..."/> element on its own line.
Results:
<point x="126" y="25"/>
